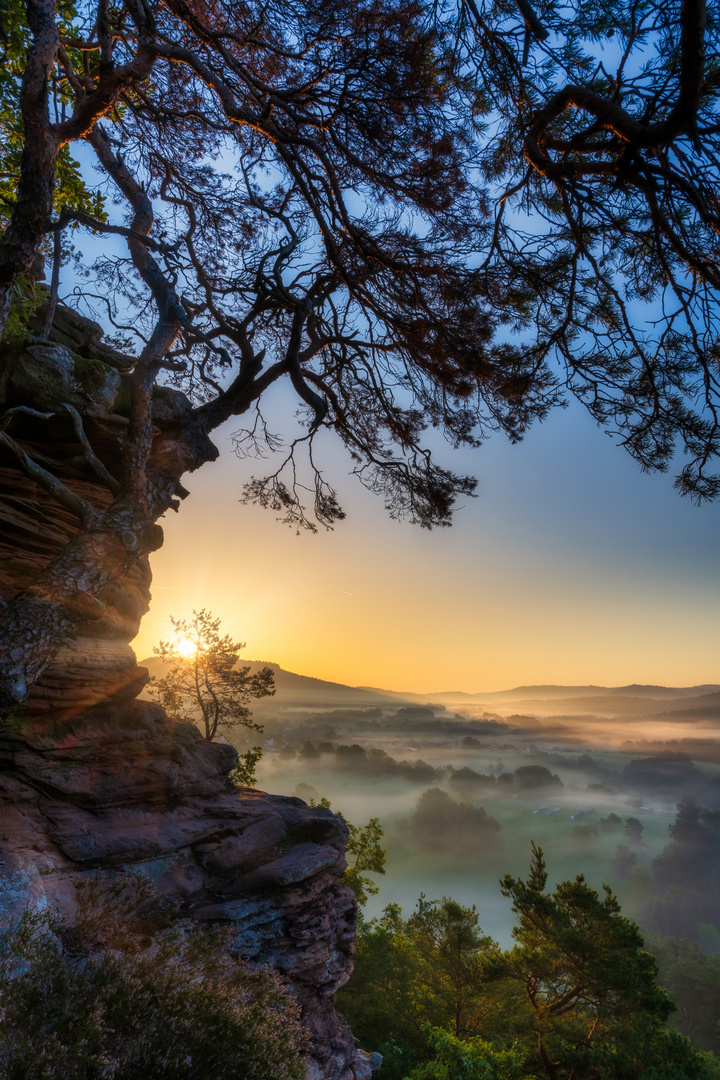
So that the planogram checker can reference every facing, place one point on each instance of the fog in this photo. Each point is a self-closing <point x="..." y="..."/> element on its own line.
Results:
<point x="461" y="792"/>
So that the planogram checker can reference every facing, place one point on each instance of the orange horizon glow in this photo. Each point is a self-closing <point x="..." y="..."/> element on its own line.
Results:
<point x="571" y="568"/>
<point x="454" y="636"/>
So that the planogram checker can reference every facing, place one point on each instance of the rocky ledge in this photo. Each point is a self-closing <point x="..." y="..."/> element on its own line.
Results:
<point x="123" y="789"/>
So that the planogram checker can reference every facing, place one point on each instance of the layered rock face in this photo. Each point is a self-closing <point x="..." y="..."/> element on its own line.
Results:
<point x="47" y="376"/>
<point x="95" y="781"/>
<point x="98" y="664"/>
<point x="123" y="789"/>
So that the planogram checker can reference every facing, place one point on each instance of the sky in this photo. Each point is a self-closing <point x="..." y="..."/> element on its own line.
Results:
<point x="570" y="567"/>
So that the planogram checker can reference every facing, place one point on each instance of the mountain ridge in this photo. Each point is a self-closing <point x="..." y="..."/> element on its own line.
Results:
<point x="308" y="691"/>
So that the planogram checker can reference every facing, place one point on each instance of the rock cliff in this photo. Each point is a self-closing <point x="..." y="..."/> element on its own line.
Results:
<point x="95" y="780"/>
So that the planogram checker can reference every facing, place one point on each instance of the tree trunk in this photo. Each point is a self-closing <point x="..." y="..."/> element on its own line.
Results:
<point x="20" y="242"/>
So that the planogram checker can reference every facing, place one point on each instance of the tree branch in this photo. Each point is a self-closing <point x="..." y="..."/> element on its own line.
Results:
<point x="89" y="454"/>
<point x="77" y="505"/>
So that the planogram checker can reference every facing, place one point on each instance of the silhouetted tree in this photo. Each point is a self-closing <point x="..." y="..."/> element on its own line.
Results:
<point x="443" y="826"/>
<point x="291" y="183"/>
<point x="691" y="979"/>
<point x="687" y="875"/>
<point x="623" y="860"/>
<point x="205" y="685"/>
<point x="605" y="131"/>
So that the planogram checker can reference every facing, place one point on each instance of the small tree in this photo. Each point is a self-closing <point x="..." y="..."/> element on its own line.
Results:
<point x="364" y="845"/>
<point x="633" y="829"/>
<point x="204" y="679"/>
<point x="456" y="963"/>
<point x="472" y="1059"/>
<point x="414" y="978"/>
<point x="243" y="775"/>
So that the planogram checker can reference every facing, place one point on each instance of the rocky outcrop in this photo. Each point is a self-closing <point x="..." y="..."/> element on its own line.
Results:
<point x="51" y="379"/>
<point x="98" y="664"/>
<point x="124" y="790"/>
<point x="94" y="781"/>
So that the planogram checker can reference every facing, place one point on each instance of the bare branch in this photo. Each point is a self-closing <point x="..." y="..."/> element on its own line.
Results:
<point x="77" y="505"/>
<point x="89" y="454"/>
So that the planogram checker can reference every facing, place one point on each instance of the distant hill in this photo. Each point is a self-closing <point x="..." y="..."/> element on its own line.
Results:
<point x="702" y="707"/>
<point x="551" y="692"/>
<point x="303" y="692"/>
<point x="617" y="704"/>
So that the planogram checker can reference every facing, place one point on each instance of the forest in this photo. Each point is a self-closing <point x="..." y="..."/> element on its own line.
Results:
<point x="460" y="801"/>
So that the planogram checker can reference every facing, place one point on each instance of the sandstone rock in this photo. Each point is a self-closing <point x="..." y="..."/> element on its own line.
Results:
<point x="169" y="405"/>
<point x="98" y="665"/>
<point x="46" y="374"/>
<point x="71" y="328"/>
<point x="116" y="359"/>
<point x="121" y="789"/>
<point x="236" y="852"/>
<point x="300" y="863"/>
<point x="366" y="1065"/>
<point x="80" y="335"/>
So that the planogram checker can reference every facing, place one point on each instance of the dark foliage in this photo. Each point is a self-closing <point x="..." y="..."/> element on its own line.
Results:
<point x="536" y="778"/>
<point x="467" y="779"/>
<point x="376" y="763"/>
<point x="687" y="877"/>
<point x="692" y="980"/>
<point x="623" y="860"/>
<point x="445" y="827"/>
<point x="672" y="775"/>
<point x="129" y="991"/>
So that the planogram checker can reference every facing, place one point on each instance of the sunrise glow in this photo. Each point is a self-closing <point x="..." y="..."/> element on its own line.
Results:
<point x="187" y="648"/>
<point x="614" y="580"/>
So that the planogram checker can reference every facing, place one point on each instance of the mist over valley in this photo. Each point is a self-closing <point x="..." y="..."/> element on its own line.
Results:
<point x="463" y="784"/>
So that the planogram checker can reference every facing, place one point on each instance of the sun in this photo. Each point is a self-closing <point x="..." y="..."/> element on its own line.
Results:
<point x="187" y="648"/>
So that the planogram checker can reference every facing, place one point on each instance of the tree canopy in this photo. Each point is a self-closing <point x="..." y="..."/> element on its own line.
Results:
<point x="416" y="215"/>
<point x="576" y="998"/>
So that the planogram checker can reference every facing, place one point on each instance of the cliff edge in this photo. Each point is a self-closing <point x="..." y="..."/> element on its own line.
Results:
<point x="96" y="781"/>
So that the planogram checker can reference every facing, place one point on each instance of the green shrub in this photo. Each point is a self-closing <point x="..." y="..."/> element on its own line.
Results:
<point x="132" y="992"/>
<point x="26" y="298"/>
